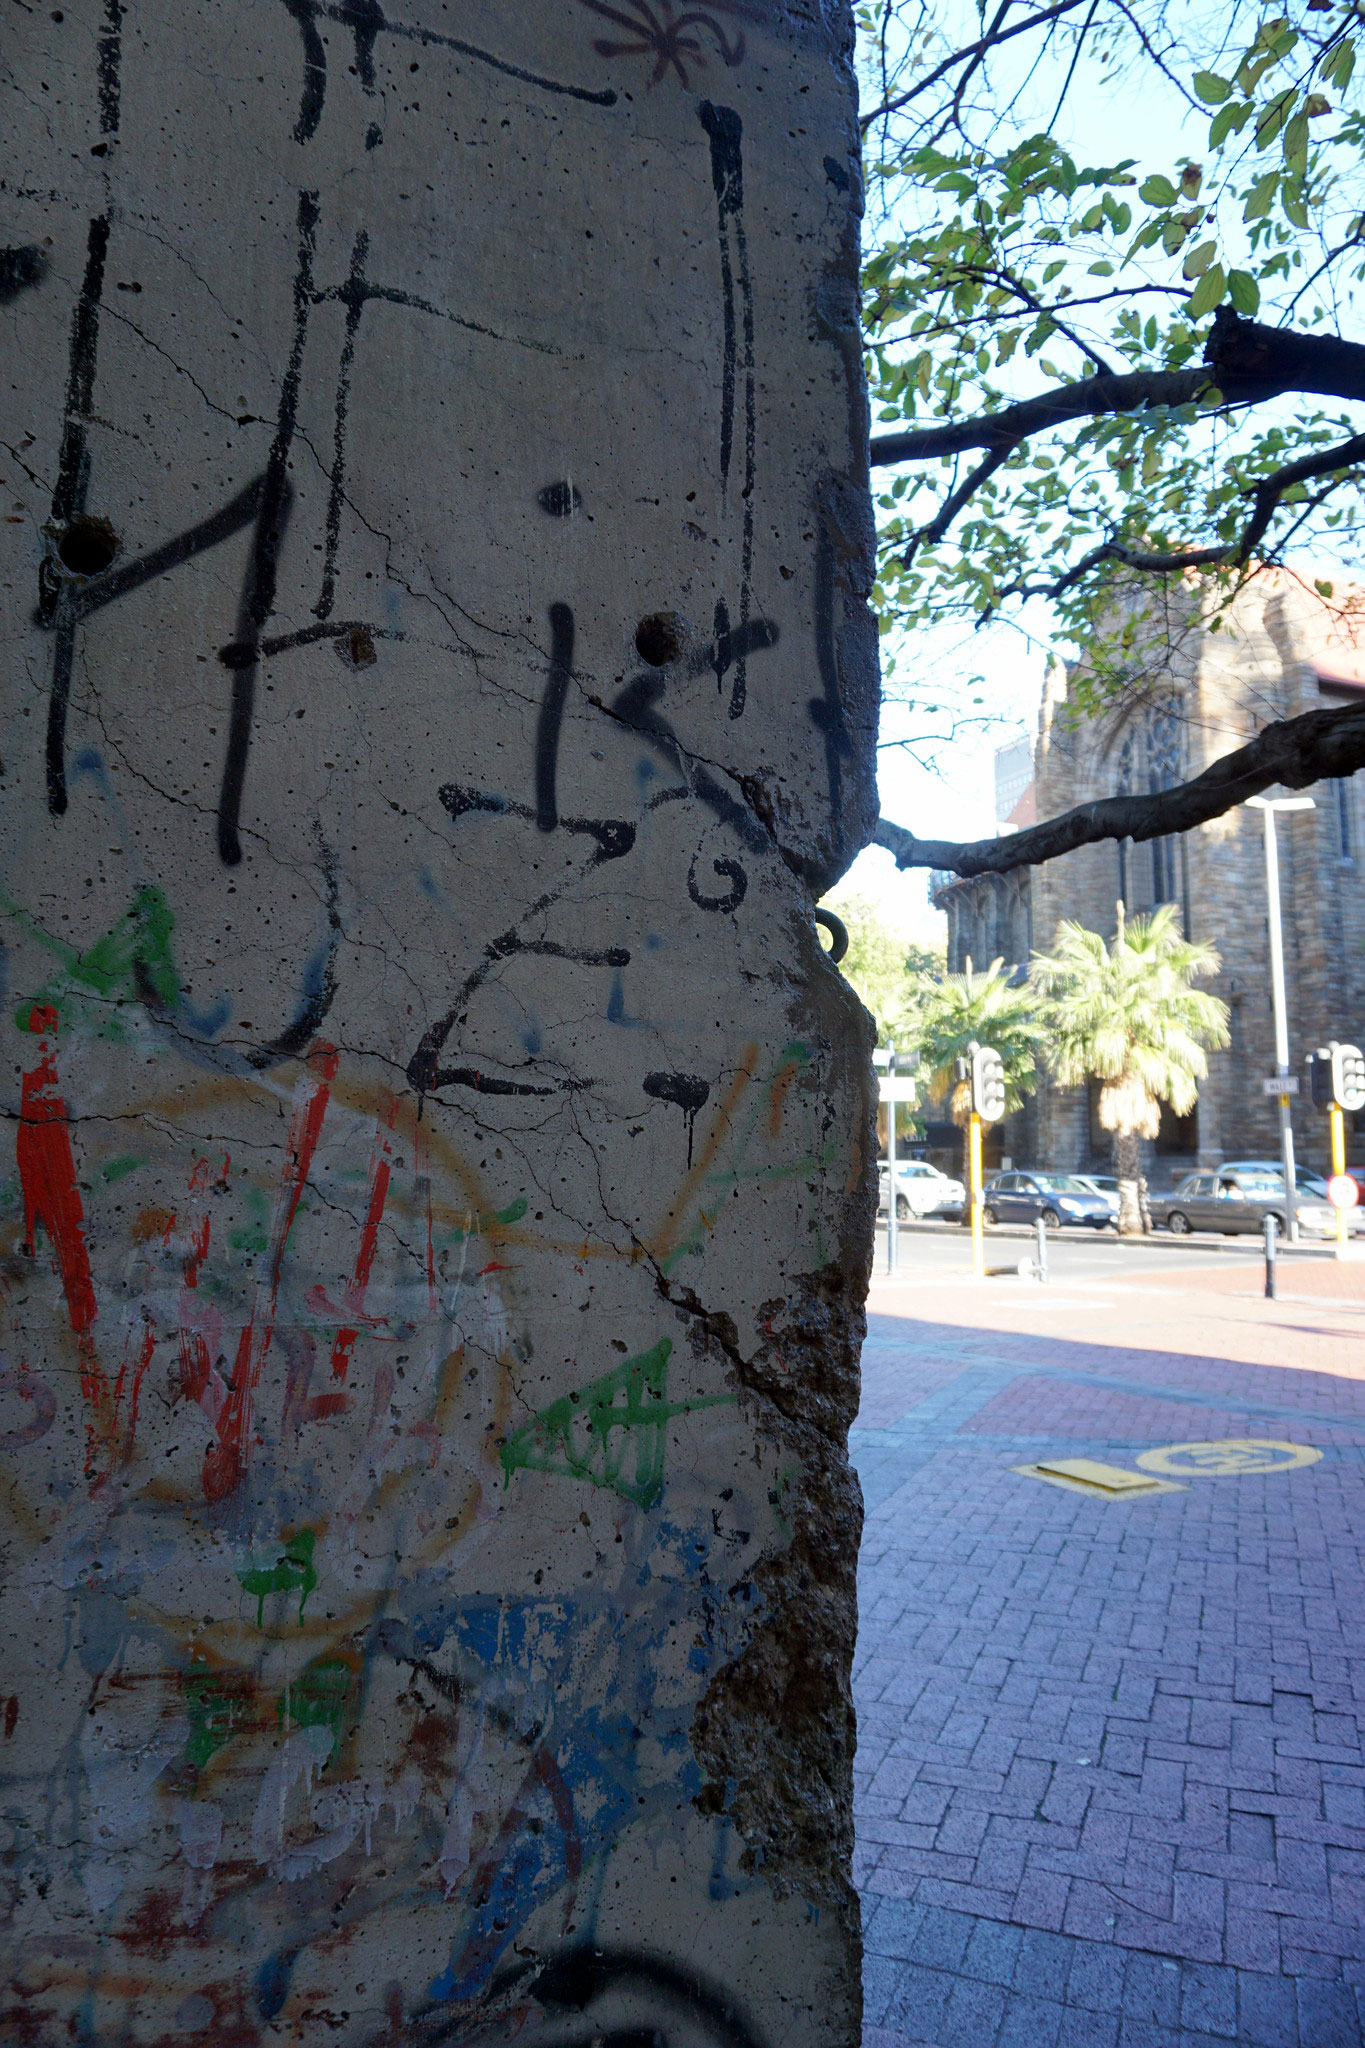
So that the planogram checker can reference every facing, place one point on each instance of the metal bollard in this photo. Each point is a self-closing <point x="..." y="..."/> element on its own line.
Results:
<point x="1271" y="1232"/>
<point x="1041" y="1229"/>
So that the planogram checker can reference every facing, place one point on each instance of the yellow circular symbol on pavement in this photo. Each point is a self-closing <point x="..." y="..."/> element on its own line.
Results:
<point x="1229" y="1456"/>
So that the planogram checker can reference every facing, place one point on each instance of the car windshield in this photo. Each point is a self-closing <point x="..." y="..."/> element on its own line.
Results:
<point x="1061" y="1183"/>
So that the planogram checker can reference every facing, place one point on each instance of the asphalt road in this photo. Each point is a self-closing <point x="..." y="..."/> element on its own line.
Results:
<point x="938" y="1248"/>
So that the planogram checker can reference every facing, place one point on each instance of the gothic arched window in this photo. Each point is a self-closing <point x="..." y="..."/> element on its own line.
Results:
<point x="1149" y="758"/>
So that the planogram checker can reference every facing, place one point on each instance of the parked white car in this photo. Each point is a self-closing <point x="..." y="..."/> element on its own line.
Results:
<point x="1104" y="1184"/>
<point x="921" y="1190"/>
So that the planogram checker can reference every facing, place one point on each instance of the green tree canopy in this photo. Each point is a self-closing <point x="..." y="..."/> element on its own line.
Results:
<point x="989" y="1008"/>
<point x="1112" y="361"/>
<point x="883" y="965"/>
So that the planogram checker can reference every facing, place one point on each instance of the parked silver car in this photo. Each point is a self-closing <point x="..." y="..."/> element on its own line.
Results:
<point x="1232" y="1202"/>
<point x="921" y="1190"/>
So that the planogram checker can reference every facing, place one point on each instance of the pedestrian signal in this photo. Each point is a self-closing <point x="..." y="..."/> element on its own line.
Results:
<point x="988" y="1084"/>
<point x="1348" y="1076"/>
<point x="1320" y="1077"/>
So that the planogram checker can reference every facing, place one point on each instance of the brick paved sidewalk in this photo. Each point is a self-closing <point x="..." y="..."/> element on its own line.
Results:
<point x="1111" y="1780"/>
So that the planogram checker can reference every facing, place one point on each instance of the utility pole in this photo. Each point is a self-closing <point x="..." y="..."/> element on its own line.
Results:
<point x="1268" y="806"/>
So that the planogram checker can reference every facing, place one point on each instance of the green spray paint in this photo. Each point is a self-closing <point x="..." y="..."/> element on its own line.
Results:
<point x="132" y="963"/>
<point x="292" y="1572"/>
<point x="610" y="1432"/>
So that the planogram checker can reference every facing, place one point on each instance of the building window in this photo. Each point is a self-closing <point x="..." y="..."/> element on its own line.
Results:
<point x="1151" y="758"/>
<point x="1163" y="772"/>
<point x="1178" y="1135"/>
<point x="1346" y="843"/>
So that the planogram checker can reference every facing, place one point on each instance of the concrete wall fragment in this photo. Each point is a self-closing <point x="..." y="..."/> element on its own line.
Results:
<point x="436" y="1201"/>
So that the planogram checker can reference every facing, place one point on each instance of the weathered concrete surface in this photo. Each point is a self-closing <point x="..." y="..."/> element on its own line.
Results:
<point x="436" y="1209"/>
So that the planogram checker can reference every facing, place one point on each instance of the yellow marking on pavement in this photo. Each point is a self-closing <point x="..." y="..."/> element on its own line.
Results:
<point x="1228" y="1457"/>
<point x="1088" y="1475"/>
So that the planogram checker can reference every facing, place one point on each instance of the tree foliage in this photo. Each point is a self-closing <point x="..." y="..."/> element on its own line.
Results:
<point x="1128" y="1015"/>
<point x="1159" y="310"/>
<point x="985" y="1008"/>
<point x="884" y="967"/>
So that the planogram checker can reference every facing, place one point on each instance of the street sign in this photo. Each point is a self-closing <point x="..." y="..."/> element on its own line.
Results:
<point x="896" y="1088"/>
<point x="1280" y="1084"/>
<point x="1342" y="1191"/>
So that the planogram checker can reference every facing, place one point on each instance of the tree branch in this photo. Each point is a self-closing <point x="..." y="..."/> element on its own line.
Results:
<point x="991" y="40"/>
<point x="1292" y="752"/>
<point x="1244" y="361"/>
<point x="1086" y="399"/>
<point x="1232" y="555"/>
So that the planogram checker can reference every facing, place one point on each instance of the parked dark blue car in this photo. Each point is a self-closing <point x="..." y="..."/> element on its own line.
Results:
<point x="1057" y="1197"/>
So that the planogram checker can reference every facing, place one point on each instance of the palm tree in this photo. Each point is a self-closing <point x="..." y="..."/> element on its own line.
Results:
<point x="954" y="1012"/>
<point x="1129" y="1015"/>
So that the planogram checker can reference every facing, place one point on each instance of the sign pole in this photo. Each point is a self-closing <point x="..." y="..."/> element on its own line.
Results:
<point x="976" y="1197"/>
<point x="891" y="1246"/>
<point x="1337" y="1120"/>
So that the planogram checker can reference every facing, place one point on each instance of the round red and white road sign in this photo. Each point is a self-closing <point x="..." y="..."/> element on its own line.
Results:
<point x="1342" y="1191"/>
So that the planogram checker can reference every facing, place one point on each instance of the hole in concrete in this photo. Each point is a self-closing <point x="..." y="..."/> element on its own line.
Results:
<point x="87" y="546"/>
<point x="559" y="499"/>
<point x="659" y="638"/>
<point x="356" y="647"/>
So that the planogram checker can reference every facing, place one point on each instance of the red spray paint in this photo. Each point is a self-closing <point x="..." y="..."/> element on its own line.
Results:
<point x="226" y="1460"/>
<point x="344" y="1342"/>
<point x="47" y="1176"/>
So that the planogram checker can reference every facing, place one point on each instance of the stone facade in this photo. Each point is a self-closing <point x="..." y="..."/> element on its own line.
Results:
<point x="437" y="1186"/>
<point x="1281" y="650"/>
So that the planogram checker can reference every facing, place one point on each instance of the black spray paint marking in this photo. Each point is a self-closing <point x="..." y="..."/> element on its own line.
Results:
<point x="20" y="270"/>
<point x="352" y="295"/>
<point x="366" y="21"/>
<point x="355" y="294"/>
<point x="109" y="65"/>
<point x="688" y="1091"/>
<point x="731" y="898"/>
<point x="424" y="1073"/>
<point x="552" y="714"/>
<point x="68" y="498"/>
<point x="827" y="712"/>
<point x="319" y="980"/>
<point x="614" y="836"/>
<point x="678" y="1998"/>
<point x="258" y="589"/>
<point x="726" y="131"/>
<point x="634" y="706"/>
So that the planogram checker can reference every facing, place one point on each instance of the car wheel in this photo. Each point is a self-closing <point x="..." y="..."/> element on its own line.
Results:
<point x="1178" y="1223"/>
<point x="1051" y="1220"/>
<point x="990" y="1215"/>
<point x="902" y="1209"/>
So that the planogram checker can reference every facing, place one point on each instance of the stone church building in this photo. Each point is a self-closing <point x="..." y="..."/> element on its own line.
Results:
<point x="1279" y="650"/>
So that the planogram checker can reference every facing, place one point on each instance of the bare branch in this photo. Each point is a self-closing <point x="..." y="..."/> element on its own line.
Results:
<point x="1292" y="752"/>
<point x="1233" y="555"/>
<point x="991" y="40"/>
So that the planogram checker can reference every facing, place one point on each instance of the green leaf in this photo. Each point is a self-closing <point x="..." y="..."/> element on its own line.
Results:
<point x="1208" y="293"/>
<point x="1245" y="293"/>
<point x="1157" y="191"/>
<point x="1199" y="259"/>
<point x="1211" y="89"/>
<point x="1296" y="141"/>
<point x="1229" y="120"/>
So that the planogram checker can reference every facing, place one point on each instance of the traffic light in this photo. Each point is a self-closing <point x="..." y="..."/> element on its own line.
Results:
<point x="1348" y="1076"/>
<point x="988" y="1084"/>
<point x="1336" y="1076"/>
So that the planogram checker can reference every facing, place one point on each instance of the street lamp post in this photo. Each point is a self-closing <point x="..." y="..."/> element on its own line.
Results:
<point x="1267" y="806"/>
